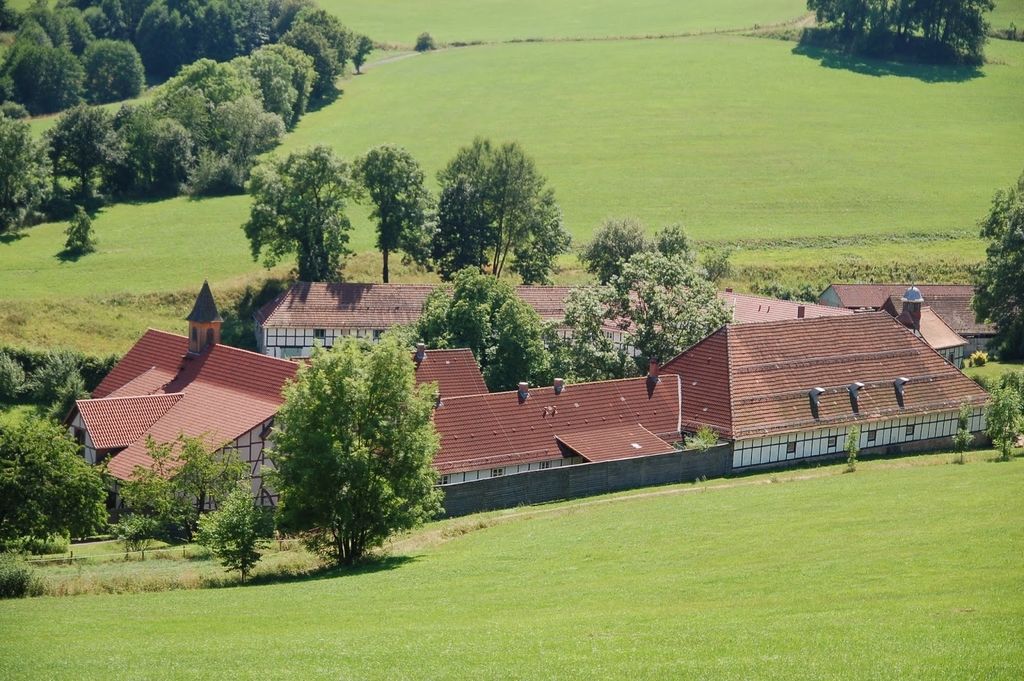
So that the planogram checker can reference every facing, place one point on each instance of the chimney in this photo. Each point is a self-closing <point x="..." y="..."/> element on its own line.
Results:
<point x="559" y="385"/>
<point x="728" y="290"/>
<point x="524" y="391"/>
<point x="801" y="310"/>
<point x="814" y="394"/>
<point x="855" y="396"/>
<point x="653" y="369"/>
<point x="421" y="352"/>
<point x="899" y="384"/>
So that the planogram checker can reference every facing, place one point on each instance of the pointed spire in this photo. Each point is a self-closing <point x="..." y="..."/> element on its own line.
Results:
<point x="205" y="310"/>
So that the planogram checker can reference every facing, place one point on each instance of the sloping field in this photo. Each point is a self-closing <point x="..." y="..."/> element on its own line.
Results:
<point x="400" y="21"/>
<point x="889" y="573"/>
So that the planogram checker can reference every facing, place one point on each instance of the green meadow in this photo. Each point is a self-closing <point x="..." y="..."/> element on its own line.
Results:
<point x="400" y="21"/>
<point x="812" y="166"/>
<point x="901" y="570"/>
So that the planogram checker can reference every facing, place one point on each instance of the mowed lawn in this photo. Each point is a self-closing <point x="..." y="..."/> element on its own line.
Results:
<point x="400" y="21"/>
<point x="890" y="573"/>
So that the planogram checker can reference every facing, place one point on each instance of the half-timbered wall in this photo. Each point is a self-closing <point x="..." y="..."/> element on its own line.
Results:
<point x="832" y="441"/>
<point x="291" y="343"/>
<point x="499" y="471"/>
<point x="250" y="448"/>
<point x="79" y="433"/>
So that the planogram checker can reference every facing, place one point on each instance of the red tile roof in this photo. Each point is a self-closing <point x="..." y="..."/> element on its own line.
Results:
<point x="617" y="442"/>
<point x="747" y="380"/>
<point x="455" y="371"/>
<point x="116" y="422"/>
<point x="934" y="331"/>
<point x="223" y="393"/>
<point x="954" y="309"/>
<point x="873" y="296"/>
<point x="309" y="305"/>
<point x="497" y="429"/>
<point x="748" y="308"/>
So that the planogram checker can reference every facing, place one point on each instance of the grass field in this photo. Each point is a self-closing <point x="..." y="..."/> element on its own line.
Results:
<point x="994" y="370"/>
<point x="814" y="168"/>
<point x="1007" y="12"/>
<point x="898" y="571"/>
<point x="400" y="21"/>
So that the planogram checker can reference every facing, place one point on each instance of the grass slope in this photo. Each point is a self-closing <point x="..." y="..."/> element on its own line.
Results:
<point x="400" y="21"/>
<point x="1008" y="12"/>
<point x="888" y="574"/>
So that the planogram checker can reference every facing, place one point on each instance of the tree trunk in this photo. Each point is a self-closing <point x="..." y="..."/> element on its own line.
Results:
<point x="386" y="271"/>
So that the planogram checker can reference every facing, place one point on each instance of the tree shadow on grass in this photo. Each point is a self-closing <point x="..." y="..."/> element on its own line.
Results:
<point x="928" y="73"/>
<point x="70" y="255"/>
<point x="11" y="237"/>
<point x="366" y="567"/>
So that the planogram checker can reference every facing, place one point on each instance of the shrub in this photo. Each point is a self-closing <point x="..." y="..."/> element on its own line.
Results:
<point x="16" y="578"/>
<point x="978" y="359"/>
<point x="55" y="543"/>
<point x="963" y="439"/>
<point x="704" y="439"/>
<point x="13" y="110"/>
<point x="12" y="378"/>
<point x="425" y="42"/>
<point x="136" y="532"/>
<point x="79" y="234"/>
<point x="49" y="381"/>
<point x="237" y="532"/>
<point x="852" y="449"/>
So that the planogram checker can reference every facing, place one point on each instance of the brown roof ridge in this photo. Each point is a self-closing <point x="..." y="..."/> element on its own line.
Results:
<point x="149" y="396"/>
<point x="551" y="387"/>
<point x="840" y="388"/>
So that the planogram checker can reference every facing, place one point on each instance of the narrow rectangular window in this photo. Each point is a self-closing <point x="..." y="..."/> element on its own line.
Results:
<point x="791" y="447"/>
<point x="319" y="334"/>
<point x="497" y="472"/>
<point x="910" y="429"/>
<point x="872" y="435"/>
<point x="832" y="441"/>
<point x="545" y="464"/>
<point x="444" y="479"/>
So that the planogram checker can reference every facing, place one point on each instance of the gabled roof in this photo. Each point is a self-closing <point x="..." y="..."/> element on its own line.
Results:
<point x="455" y="372"/>
<point x="116" y="422"/>
<point x="747" y="308"/>
<point x="498" y="429"/>
<point x="934" y="331"/>
<point x="747" y="380"/>
<point x="953" y="308"/>
<point x="348" y="305"/>
<point x="221" y="394"/>
<point x="873" y="296"/>
<point x="616" y="442"/>
<point x="205" y="310"/>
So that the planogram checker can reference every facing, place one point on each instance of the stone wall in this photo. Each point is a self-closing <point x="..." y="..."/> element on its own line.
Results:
<point x="585" y="479"/>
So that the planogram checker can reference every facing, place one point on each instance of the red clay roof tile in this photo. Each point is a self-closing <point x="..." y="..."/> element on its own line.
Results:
<point x="751" y="379"/>
<point x="617" y="442"/>
<point x="455" y="371"/>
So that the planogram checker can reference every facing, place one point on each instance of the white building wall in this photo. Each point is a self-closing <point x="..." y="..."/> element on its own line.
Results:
<point x="290" y="343"/>
<point x="498" y="471"/>
<point x="78" y="431"/>
<point x="831" y="441"/>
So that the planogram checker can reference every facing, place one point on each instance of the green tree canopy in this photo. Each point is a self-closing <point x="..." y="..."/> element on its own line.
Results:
<point x="999" y="296"/>
<point x="44" y="78"/>
<point x="361" y="48"/>
<point x="113" y="71"/>
<point x="158" y="153"/>
<point x="588" y="354"/>
<point x="299" y="207"/>
<point x="664" y="305"/>
<point x="237" y="531"/>
<point x="321" y="36"/>
<point x="81" y="143"/>
<point x="46" y="487"/>
<point x="79" y="234"/>
<point x="614" y="242"/>
<point x="25" y="179"/>
<point x="513" y="213"/>
<point x="353" y="450"/>
<point x="1005" y="419"/>
<point x="186" y="477"/>
<point x="401" y="203"/>
<point x="487" y="316"/>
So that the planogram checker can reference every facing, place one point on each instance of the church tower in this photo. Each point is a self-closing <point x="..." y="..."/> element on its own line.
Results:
<point x="203" y="322"/>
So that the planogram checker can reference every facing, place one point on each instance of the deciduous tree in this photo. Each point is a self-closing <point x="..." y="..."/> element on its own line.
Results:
<point x="81" y="143"/>
<point x="663" y="305"/>
<point x="614" y="242"/>
<point x="999" y="296"/>
<point x="299" y="207"/>
<point x="401" y="203"/>
<point x="46" y="487"/>
<point x="79" y="234"/>
<point x="353" y="450"/>
<point x="25" y="179"/>
<point x="113" y="71"/>
<point x="237" y="532"/>
<point x="1005" y="419"/>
